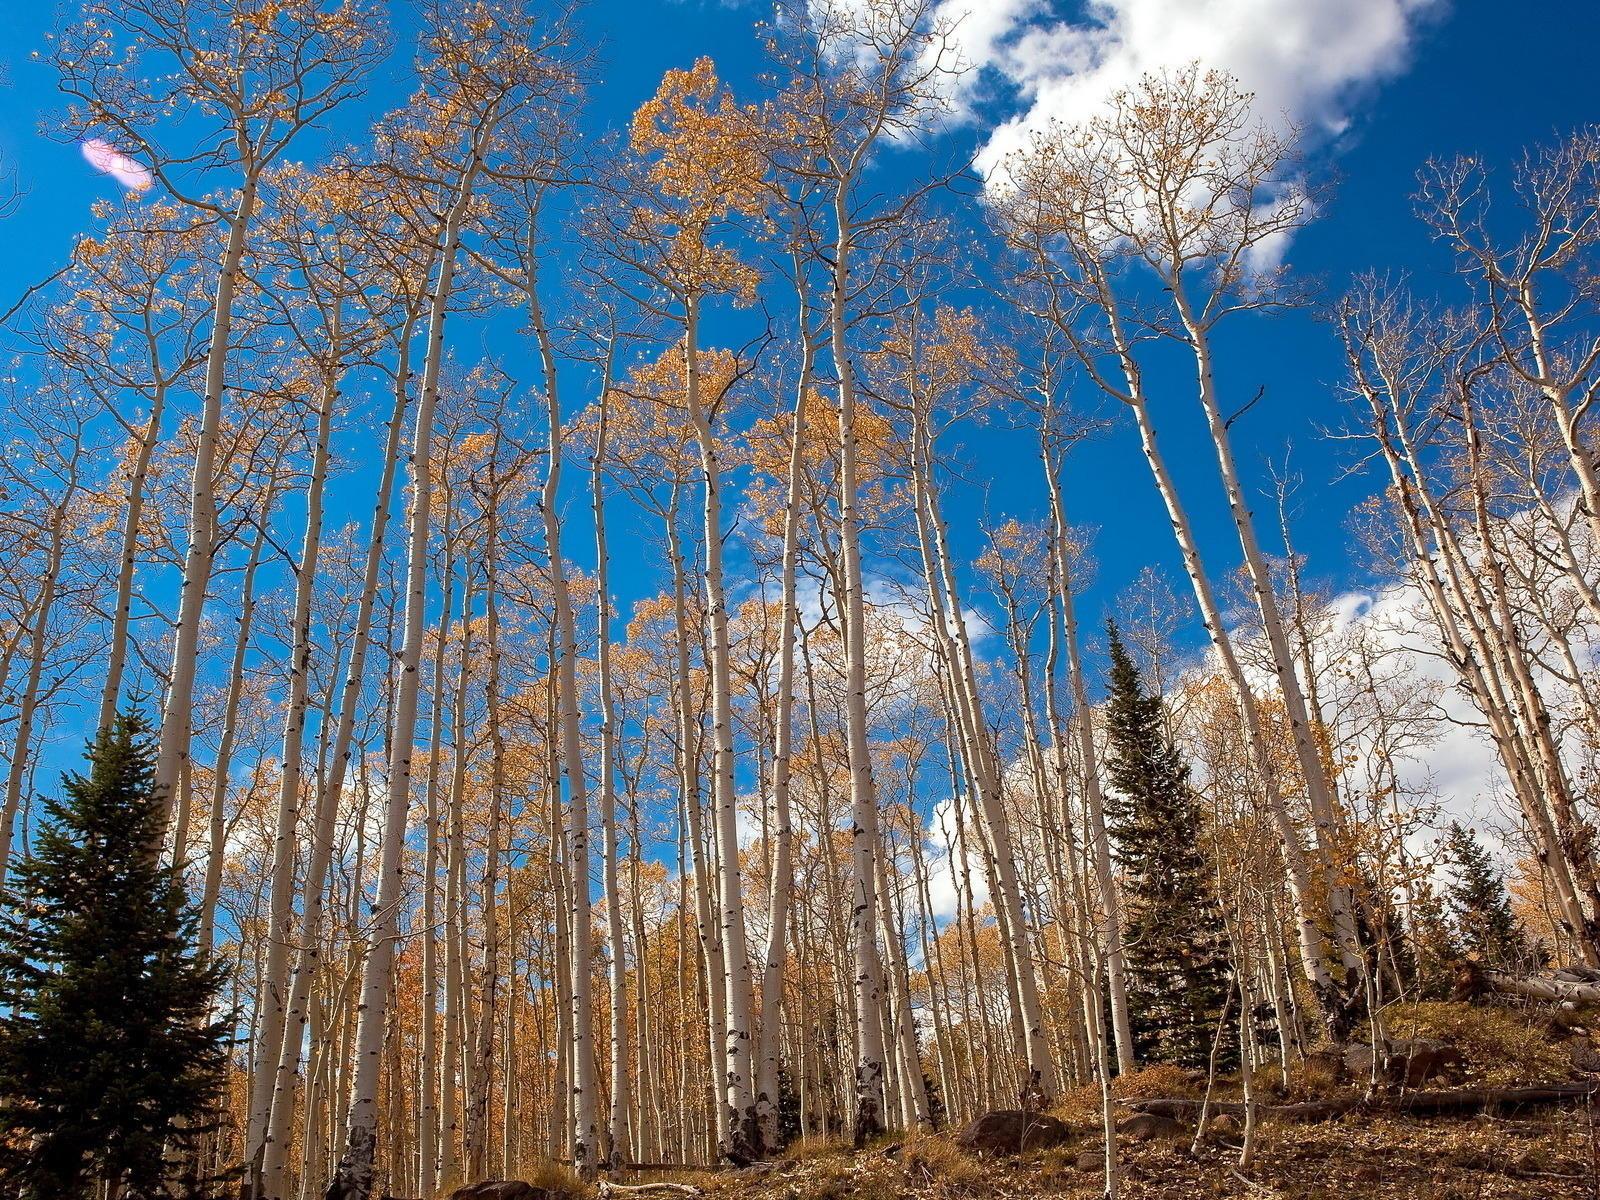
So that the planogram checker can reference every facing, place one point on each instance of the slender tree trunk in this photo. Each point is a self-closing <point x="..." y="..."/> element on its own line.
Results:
<point x="173" y="751"/>
<point x="1448" y="583"/>
<point x="28" y="704"/>
<point x="743" y="1142"/>
<point x="456" y="1096"/>
<point x="478" y="1128"/>
<point x="222" y="765"/>
<point x="272" y="993"/>
<point x="617" y="1144"/>
<point x="869" y="1099"/>
<point x="950" y="629"/>
<point x="1327" y="825"/>
<point x="781" y="886"/>
<point x="127" y="560"/>
<point x="1580" y="454"/>
<point x="330" y="793"/>
<point x="1094" y="800"/>
<point x="586" y="1129"/>
<point x="1313" y="948"/>
<point x="353" y="1178"/>
<point x="913" y="1089"/>
<point x="428" y="1082"/>
<point x="711" y="945"/>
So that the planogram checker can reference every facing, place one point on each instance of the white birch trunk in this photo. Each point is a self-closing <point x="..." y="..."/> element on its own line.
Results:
<point x="1327" y="825"/>
<point x="127" y="560"/>
<point x="744" y="1134"/>
<point x="585" y="1128"/>
<point x="782" y="882"/>
<point x="617" y="1142"/>
<point x="173" y="751"/>
<point x="354" y="1175"/>
<point x="330" y="795"/>
<point x="869" y="1099"/>
<point x="272" y="995"/>
<point x="28" y="705"/>
<point x="1094" y="799"/>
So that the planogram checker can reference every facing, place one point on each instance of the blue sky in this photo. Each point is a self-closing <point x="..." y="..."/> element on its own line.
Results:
<point x="1465" y="77"/>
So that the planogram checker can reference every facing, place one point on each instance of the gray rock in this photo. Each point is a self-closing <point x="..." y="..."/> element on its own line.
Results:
<point x="1586" y="1058"/>
<point x="1411" y="1061"/>
<point x="1011" y="1131"/>
<point x="1225" y="1125"/>
<point x="1148" y="1127"/>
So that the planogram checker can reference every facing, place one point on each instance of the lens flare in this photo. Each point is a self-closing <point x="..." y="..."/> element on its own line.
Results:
<point x="108" y="160"/>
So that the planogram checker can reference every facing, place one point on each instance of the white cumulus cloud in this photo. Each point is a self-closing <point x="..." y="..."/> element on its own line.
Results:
<point x="1306" y="60"/>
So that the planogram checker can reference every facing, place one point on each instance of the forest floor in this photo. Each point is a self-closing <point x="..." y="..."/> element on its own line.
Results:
<point x="1544" y="1154"/>
<point x="1480" y="1158"/>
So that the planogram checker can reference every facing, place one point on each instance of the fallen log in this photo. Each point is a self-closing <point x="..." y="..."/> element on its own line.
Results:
<point x="1543" y="987"/>
<point x="1563" y="986"/>
<point x="606" y="1188"/>
<point x="1314" y="1110"/>
<point x="1415" y="1104"/>
<point x="678" y="1166"/>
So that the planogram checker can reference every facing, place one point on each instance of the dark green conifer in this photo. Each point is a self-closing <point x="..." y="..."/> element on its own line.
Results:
<point x="111" y="1051"/>
<point x="1175" y="944"/>
<point x="1487" y="927"/>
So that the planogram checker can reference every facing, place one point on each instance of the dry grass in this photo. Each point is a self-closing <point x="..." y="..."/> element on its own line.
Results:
<point x="1538" y="1157"/>
<point x="559" y="1180"/>
<point x="939" y="1160"/>
<point x="1058" y="1167"/>
<point x="837" y="1176"/>
<point x="813" y="1146"/>
<point x="1163" y="1079"/>
<point x="1542" y="1157"/>
<point x="1500" y="1045"/>
<point x="1080" y="1107"/>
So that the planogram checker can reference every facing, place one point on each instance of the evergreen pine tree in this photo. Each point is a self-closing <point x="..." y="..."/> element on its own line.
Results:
<point x="1175" y="943"/>
<point x="1438" y="951"/>
<point x="1488" y="928"/>
<point x="111" y="1054"/>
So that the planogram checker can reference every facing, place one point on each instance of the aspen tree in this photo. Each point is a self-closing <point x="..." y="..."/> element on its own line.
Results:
<point x="1538" y="303"/>
<point x="651" y="454"/>
<point x="933" y="369"/>
<point x="436" y="1104"/>
<point x="539" y="159"/>
<point x="130" y="335"/>
<point x="264" y="504"/>
<point x="1396" y="362"/>
<point x="1101" y="194"/>
<point x="320" y="251"/>
<point x="858" y="77"/>
<point x="617" y="1121"/>
<point x="404" y="281"/>
<point x="1036" y="380"/>
<point x="259" y="75"/>
<point x="481" y="69"/>
<point x="497" y="483"/>
<point x="781" y="888"/>
<point x="704" y="167"/>
<point x="45" y="477"/>
<point x="1054" y="440"/>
